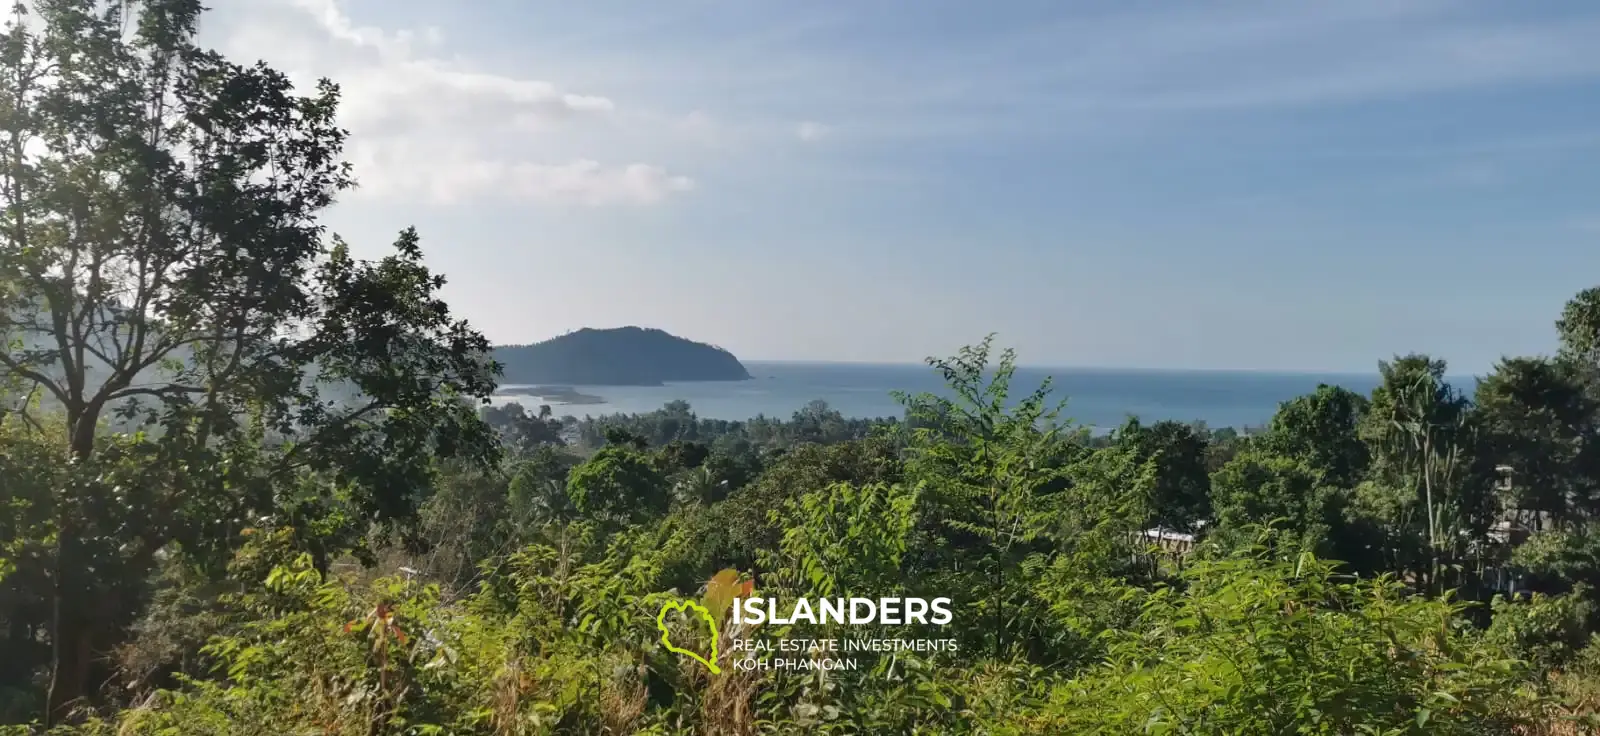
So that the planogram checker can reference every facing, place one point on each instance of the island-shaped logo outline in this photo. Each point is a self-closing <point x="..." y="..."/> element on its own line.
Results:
<point x="666" y="641"/>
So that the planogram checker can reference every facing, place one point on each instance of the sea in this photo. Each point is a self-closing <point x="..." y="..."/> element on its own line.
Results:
<point x="1099" y="399"/>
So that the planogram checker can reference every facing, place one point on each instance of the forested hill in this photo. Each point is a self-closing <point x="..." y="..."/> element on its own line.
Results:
<point x="624" y="356"/>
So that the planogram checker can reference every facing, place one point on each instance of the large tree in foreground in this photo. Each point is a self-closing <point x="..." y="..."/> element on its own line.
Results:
<point x="162" y="266"/>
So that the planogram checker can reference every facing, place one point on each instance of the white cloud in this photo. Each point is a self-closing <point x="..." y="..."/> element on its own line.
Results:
<point x="810" y="131"/>
<point x="577" y="92"/>
<point x="455" y="172"/>
<point x="430" y="127"/>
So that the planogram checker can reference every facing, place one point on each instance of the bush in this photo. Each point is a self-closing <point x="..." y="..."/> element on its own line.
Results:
<point x="1546" y="631"/>
<point x="1253" y="645"/>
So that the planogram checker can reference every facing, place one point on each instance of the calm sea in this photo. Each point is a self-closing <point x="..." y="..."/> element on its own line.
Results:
<point x="1095" y="397"/>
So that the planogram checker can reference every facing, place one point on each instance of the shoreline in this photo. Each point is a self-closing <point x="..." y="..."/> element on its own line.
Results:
<point x="551" y="395"/>
<point x="1096" y="401"/>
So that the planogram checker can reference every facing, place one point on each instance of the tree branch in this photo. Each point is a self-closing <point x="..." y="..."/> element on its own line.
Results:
<point x="156" y="391"/>
<point x="30" y="374"/>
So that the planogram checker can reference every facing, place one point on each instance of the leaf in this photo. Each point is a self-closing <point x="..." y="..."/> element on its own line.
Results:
<point x="721" y="591"/>
<point x="445" y="656"/>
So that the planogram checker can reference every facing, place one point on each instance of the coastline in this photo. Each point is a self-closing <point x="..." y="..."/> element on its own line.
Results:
<point x="1094" y="397"/>
<point x="551" y="395"/>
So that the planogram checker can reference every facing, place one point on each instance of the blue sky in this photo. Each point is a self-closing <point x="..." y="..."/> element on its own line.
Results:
<point x="1269" y="185"/>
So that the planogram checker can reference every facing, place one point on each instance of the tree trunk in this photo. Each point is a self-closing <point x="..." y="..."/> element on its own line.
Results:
<point x="73" y="625"/>
<point x="91" y="619"/>
<point x="72" y="645"/>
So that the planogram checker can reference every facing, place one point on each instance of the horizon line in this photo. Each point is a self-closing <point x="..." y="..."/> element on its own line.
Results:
<point x="1105" y="368"/>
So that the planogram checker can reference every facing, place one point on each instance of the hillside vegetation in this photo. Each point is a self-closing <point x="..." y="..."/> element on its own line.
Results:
<point x="242" y="554"/>
<point x="625" y="356"/>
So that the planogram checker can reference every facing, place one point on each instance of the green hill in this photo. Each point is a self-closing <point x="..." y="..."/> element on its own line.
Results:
<point x="623" y="356"/>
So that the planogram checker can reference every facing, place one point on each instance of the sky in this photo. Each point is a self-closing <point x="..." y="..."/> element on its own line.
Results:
<point x="1127" y="183"/>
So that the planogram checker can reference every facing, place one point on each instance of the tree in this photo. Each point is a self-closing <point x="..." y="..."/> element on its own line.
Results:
<point x="538" y="487"/>
<point x="818" y="422"/>
<point x="623" y="437"/>
<point x="992" y="471"/>
<point x="618" y="483"/>
<point x="1181" y="492"/>
<point x="32" y="466"/>
<point x="845" y="537"/>
<point x="1223" y="445"/>
<point x="808" y="468"/>
<point x="468" y="518"/>
<point x="1579" y="328"/>
<point x="1259" y="488"/>
<point x="521" y="430"/>
<point x="699" y="486"/>
<point x="1537" y="419"/>
<point x="1559" y="560"/>
<point x="1321" y="428"/>
<point x="163" y="266"/>
<point x="678" y="456"/>
<point x="1420" y="433"/>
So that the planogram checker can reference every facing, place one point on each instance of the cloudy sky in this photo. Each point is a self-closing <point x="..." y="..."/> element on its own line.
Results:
<point x="1124" y="183"/>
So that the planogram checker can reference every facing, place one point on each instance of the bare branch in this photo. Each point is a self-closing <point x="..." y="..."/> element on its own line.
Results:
<point x="156" y="391"/>
<point x="30" y="374"/>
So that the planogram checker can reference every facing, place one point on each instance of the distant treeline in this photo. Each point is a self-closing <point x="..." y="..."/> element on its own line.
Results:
<point x="817" y="422"/>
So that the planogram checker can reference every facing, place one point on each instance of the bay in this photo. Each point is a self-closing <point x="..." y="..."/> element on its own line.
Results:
<point x="1098" y="398"/>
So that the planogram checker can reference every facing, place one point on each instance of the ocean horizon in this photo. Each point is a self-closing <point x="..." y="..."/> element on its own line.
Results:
<point x="1099" y="398"/>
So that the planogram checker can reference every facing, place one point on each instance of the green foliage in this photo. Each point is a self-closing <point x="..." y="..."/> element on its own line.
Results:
<point x="1257" y="488"/>
<point x="1555" y="562"/>
<point x="1545" y="631"/>
<point x="538" y="487"/>
<point x="1579" y="328"/>
<point x="620" y="484"/>
<point x="1062" y="625"/>
<point x="1261" y="645"/>
<point x="993" y="474"/>
<point x="1181" y="489"/>
<point x="844" y="537"/>
<point x="1537" y="419"/>
<point x="734" y="440"/>
<point x="1322" y="429"/>
<point x="806" y="468"/>
<point x="1425" y="482"/>
<point x="165" y="273"/>
<point x="524" y="432"/>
